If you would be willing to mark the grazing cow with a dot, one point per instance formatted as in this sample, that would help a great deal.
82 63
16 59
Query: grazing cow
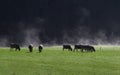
88 48
30 48
40 47
76 47
91 48
67 47
14 46
84 47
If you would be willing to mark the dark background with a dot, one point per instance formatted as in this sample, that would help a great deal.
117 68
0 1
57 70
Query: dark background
53 18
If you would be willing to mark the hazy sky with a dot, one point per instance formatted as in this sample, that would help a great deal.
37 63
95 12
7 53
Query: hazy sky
53 17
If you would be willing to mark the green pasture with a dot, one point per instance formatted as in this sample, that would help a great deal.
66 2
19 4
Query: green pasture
54 61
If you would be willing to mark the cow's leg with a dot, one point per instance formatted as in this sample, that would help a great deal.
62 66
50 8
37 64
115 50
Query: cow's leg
19 49
40 50
81 50
71 49
63 49
15 49
68 48
74 50
10 48
30 50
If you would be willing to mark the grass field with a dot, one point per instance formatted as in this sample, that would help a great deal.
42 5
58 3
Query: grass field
54 61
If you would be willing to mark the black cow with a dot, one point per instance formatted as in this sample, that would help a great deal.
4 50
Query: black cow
67 47
30 47
14 46
40 47
89 48
84 47
76 47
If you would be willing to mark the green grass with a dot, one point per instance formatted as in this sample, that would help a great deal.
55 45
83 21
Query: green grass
54 61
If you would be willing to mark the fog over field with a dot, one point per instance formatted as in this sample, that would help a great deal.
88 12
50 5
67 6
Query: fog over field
79 35
57 22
